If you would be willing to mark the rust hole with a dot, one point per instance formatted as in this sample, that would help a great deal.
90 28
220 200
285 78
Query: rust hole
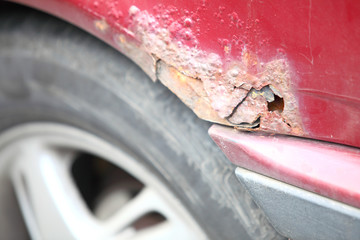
276 105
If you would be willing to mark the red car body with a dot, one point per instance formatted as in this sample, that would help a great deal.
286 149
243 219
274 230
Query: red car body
308 52
318 39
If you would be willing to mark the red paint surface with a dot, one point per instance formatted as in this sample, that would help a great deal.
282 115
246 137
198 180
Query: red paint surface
320 39
328 169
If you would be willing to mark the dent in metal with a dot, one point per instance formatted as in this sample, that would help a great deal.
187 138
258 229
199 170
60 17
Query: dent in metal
245 93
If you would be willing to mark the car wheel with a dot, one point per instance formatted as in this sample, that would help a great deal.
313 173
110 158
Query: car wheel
91 148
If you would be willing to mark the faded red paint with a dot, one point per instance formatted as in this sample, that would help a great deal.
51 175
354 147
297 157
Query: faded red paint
328 169
318 41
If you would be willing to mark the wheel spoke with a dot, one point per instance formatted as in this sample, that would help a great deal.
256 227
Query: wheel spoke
50 201
136 208
148 200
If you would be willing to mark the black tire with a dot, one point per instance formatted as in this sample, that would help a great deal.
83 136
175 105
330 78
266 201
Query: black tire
51 71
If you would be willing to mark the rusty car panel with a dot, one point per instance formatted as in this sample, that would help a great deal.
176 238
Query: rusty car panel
249 64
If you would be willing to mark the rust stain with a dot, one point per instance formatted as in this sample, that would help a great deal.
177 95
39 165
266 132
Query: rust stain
247 93
101 25
189 90
122 39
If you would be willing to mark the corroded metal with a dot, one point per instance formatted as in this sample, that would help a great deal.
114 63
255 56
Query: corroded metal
246 93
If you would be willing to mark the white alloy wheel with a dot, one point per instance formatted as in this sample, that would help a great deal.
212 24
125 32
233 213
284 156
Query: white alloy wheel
38 157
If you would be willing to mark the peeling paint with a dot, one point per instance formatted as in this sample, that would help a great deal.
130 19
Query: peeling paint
245 93
189 90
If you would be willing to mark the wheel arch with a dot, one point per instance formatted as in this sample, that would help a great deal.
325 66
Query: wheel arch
229 74
170 54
